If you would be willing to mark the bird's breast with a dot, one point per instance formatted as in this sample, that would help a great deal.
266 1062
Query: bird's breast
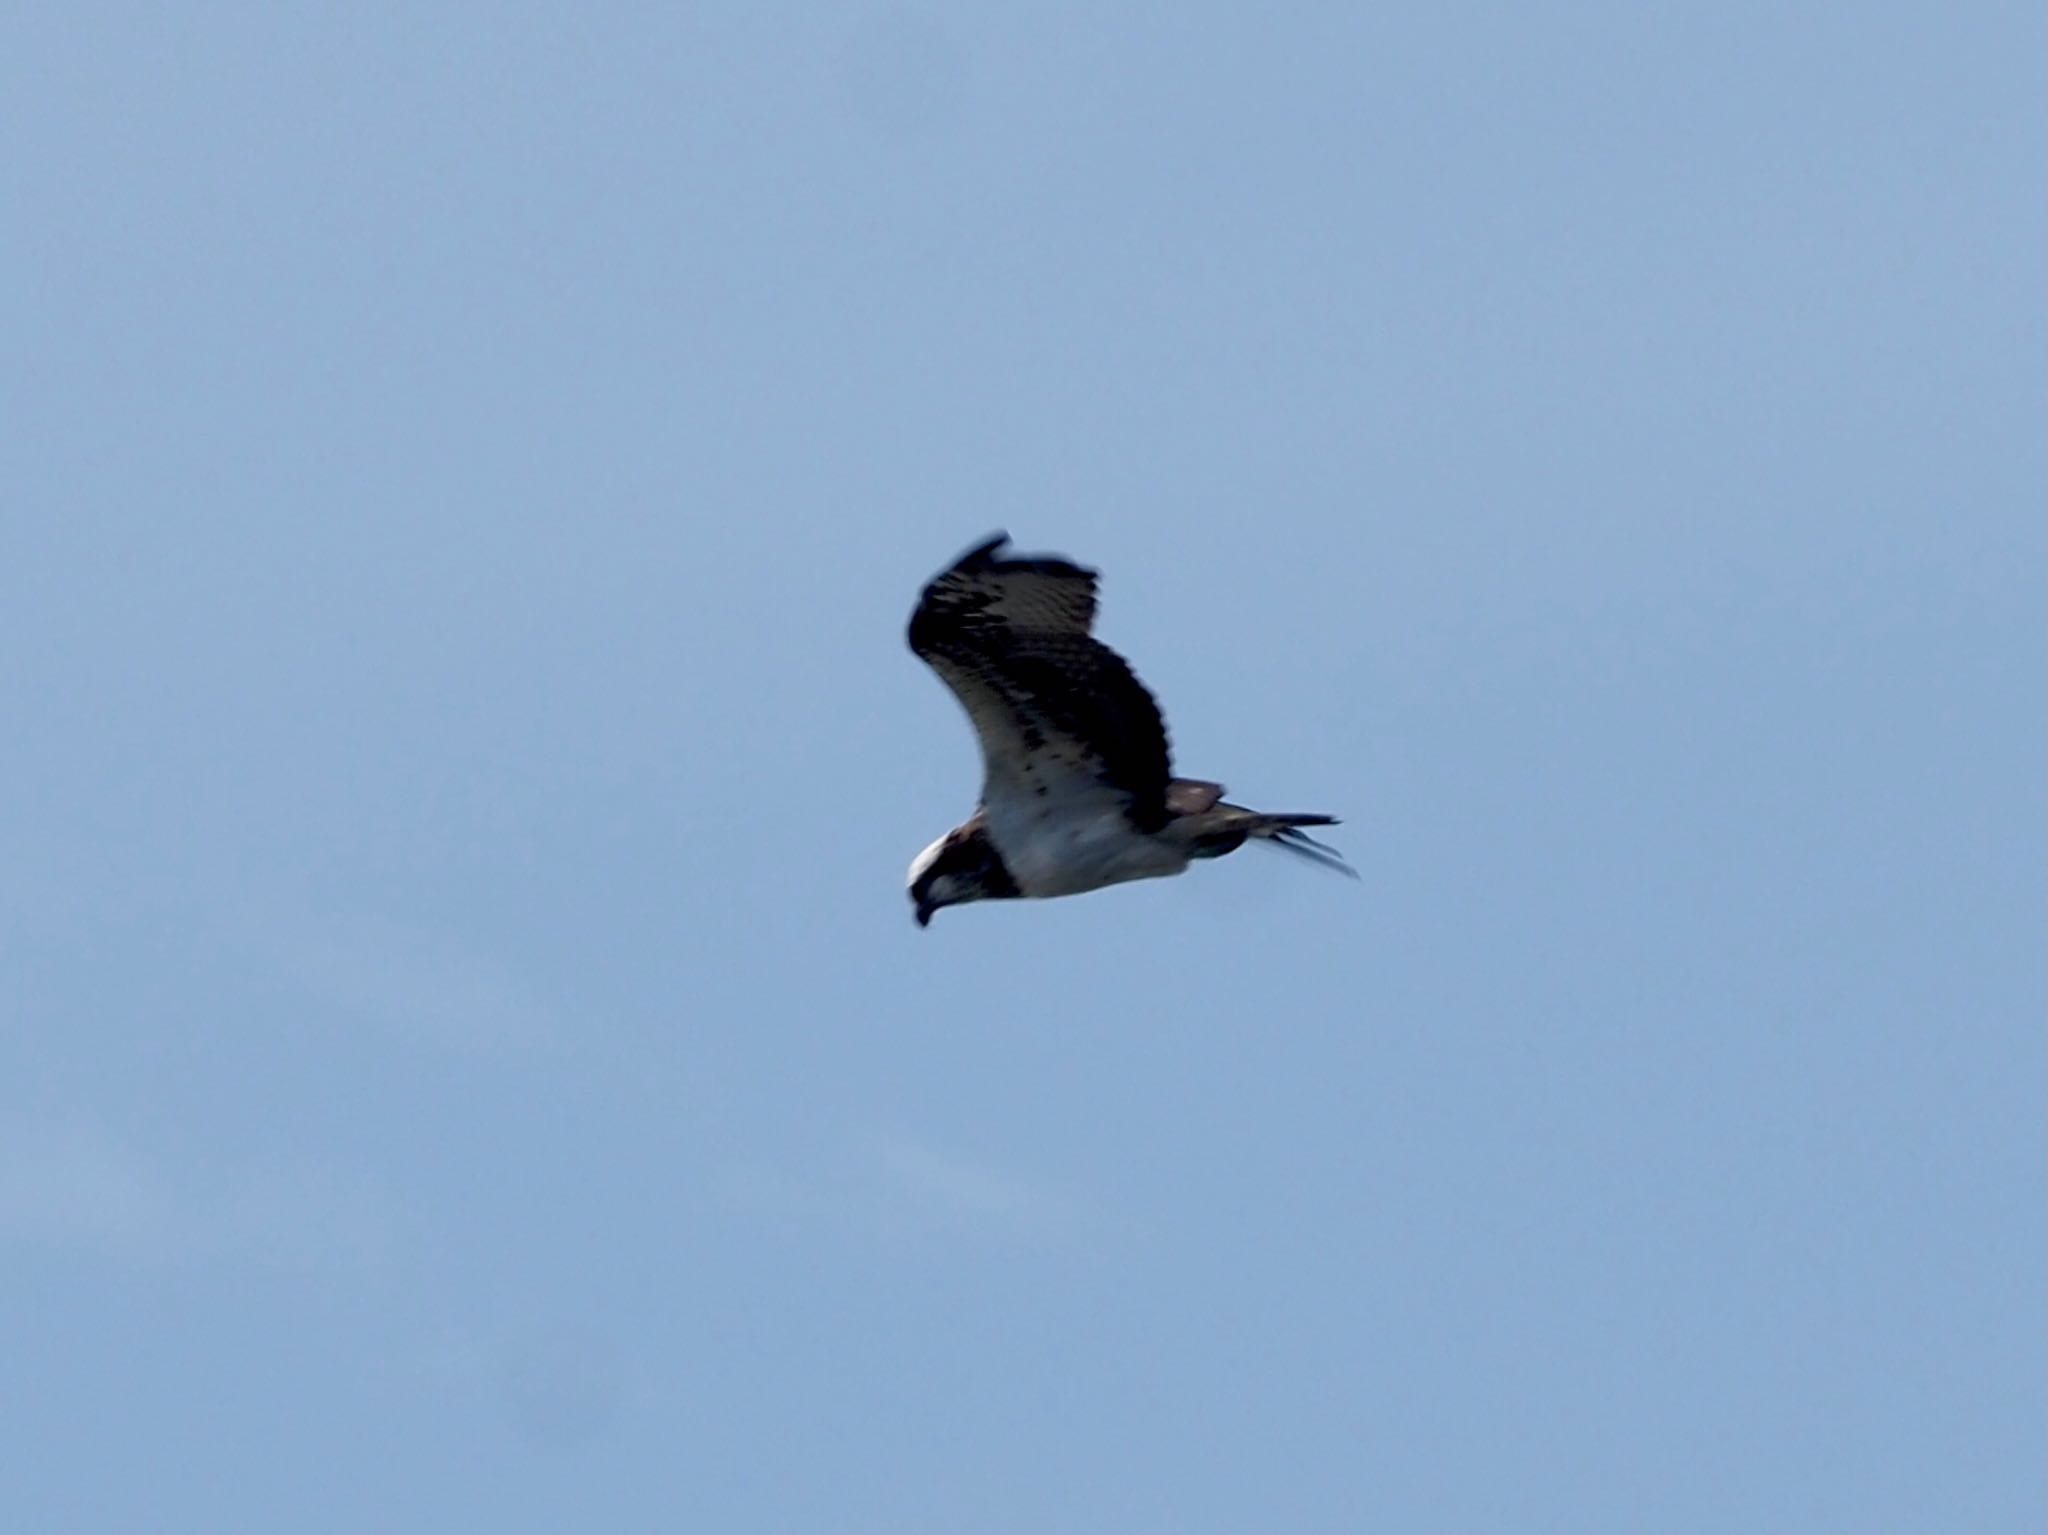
1064 851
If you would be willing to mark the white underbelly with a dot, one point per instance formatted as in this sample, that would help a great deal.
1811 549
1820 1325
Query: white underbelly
1064 854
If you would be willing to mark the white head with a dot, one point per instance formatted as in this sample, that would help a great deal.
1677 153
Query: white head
961 866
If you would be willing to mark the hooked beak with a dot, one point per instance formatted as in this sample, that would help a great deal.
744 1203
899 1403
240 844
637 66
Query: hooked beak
924 914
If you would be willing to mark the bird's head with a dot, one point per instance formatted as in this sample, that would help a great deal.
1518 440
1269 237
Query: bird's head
961 866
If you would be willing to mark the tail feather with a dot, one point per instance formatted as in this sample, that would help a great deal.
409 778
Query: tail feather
1215 832
1284 832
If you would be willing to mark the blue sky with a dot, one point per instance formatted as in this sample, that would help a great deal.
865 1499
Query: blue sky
467 1060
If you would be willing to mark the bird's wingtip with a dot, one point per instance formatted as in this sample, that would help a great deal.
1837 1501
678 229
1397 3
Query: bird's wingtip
985 549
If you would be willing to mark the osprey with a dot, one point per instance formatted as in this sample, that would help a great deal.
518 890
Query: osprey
1078 791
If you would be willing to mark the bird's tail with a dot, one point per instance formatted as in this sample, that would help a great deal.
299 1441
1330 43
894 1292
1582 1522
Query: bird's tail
1284 831
1227 827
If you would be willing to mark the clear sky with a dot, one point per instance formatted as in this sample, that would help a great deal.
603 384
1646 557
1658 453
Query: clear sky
467 1061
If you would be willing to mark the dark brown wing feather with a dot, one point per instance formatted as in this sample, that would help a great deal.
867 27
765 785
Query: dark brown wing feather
1048 701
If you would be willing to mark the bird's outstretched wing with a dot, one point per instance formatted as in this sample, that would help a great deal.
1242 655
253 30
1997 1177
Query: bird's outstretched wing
1057 711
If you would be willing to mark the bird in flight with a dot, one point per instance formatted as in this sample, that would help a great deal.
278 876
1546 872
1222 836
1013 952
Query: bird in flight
1078 790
